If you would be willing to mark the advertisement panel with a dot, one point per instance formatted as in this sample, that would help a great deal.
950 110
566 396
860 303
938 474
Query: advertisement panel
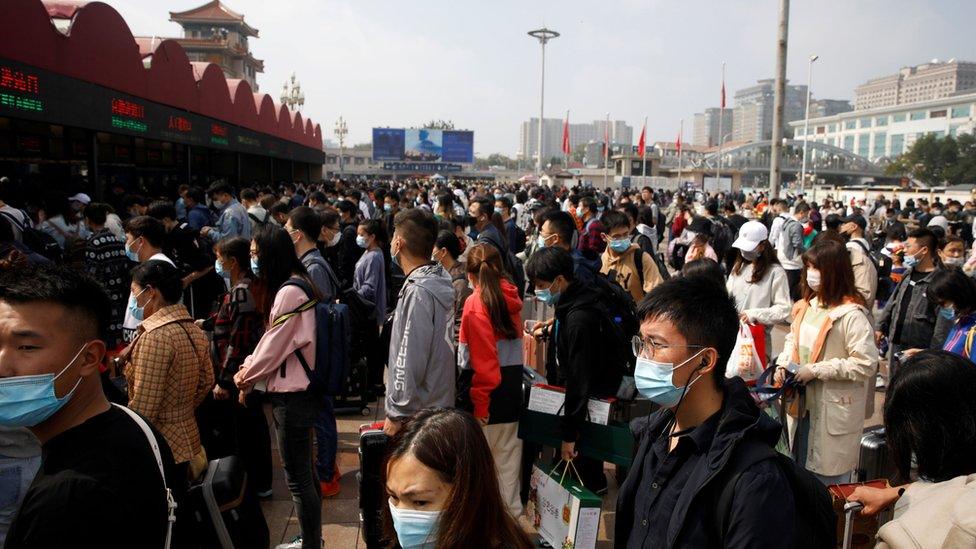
422 145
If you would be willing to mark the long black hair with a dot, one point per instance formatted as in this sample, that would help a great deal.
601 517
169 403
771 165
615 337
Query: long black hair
952 285
930 413
277 261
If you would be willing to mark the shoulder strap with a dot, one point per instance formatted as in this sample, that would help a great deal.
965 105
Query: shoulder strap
154 445
748 454
969 342
639 265
20 223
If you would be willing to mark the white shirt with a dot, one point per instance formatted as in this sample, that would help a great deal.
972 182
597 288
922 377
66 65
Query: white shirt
129 323
774 230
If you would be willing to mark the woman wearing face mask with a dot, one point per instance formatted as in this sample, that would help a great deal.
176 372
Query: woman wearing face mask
953 251
832 350
274 367
369 281
167 365
956 295
227 428
757 282
490 360
443 489
447 251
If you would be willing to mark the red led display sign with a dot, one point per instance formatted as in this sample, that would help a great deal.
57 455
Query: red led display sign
18 81
180 124
128 108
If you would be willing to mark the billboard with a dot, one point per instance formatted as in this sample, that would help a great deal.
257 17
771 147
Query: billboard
422 145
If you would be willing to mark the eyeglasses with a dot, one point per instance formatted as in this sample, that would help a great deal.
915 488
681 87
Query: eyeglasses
638 346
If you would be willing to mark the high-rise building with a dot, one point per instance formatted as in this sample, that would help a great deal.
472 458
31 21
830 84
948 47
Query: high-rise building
828 107
552 129
752 119
706 127
924 82
214 33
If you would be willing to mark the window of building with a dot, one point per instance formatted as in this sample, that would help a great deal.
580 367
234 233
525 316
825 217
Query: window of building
938 135
358 160
881 121
897 144
938 114
960 112
898 117
865 122
880 139
832 128
850 124
954 130
863 144
849 143
917 115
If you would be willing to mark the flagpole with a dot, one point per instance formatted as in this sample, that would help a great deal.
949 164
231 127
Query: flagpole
606 150
721 135
568 147
644 155
680 131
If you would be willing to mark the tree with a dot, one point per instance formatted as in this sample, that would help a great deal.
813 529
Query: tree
936 160
579 152
439 125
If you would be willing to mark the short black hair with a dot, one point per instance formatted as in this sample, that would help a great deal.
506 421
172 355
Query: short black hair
220 187
486 205
347 207
645 215
630 210
561 223
589 203
81 294
711 208
833 222
418 229
306 220
319 197
134 200
162 210
614 219
160 275
148 228
97 213
280 208
447 240
249 194
952 285
926 238
548 263
505 201
197 195
929 414
701 310
329 217
705 268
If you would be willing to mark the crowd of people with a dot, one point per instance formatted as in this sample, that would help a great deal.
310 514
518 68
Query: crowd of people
199 308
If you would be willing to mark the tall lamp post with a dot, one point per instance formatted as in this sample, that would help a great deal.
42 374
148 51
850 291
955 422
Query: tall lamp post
340 132
806 122
543 35
292 95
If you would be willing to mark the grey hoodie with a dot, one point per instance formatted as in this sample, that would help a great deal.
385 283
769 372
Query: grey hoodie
422 343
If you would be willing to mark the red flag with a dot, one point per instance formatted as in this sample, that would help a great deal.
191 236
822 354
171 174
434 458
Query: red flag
640 142
678 143
566 150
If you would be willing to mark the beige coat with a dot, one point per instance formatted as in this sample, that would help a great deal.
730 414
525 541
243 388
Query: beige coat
937 516
843 359
625 267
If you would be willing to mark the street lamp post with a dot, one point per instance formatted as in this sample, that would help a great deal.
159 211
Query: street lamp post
543 35
292 95
340 131
806 122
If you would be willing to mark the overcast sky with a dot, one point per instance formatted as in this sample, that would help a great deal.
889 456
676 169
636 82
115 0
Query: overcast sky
399 64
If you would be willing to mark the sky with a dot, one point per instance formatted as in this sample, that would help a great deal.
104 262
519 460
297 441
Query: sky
390 63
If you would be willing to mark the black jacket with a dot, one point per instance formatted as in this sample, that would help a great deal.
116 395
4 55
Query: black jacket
762 511
349 253
582 333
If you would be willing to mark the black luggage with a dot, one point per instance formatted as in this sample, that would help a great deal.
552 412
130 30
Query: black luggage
372 494
875 461
225 514
354 397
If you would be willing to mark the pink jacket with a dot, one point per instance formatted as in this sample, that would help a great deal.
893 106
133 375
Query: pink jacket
278 345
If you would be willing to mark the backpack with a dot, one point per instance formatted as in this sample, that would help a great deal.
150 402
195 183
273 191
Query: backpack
36 239
621 310
519 239
361 312
332 342
257 221
816 521
882 265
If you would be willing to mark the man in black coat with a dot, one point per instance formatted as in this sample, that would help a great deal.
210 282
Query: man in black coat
687 449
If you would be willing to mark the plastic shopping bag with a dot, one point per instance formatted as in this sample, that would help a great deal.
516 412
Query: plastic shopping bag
746 360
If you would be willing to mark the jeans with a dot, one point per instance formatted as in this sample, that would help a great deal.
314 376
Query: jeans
793 279
327 437
294 416
16 475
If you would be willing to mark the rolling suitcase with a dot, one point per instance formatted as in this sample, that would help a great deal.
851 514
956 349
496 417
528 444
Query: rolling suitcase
225 514
875 460
354 398
372 494
851 508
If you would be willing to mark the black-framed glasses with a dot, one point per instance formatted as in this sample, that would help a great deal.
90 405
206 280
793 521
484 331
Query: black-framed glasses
638 346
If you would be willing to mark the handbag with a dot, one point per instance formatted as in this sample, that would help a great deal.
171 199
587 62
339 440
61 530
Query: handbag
746 360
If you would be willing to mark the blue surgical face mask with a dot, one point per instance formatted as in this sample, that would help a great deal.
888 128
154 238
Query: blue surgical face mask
547 296
387 207
135 311
219 204
910 260
361 241
415 528
948 313
540 241
620 245
654 380
133 255
219 269
254 266
27 401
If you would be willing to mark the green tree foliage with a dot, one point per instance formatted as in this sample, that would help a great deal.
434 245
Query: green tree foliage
939 160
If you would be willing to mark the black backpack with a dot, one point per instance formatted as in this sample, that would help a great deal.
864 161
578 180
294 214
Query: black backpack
882 264
519 239
35 239
621 310
816 521
257 221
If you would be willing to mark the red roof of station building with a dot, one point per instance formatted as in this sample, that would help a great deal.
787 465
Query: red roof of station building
99 48
214 12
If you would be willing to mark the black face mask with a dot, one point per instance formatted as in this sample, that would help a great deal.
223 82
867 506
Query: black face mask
471 221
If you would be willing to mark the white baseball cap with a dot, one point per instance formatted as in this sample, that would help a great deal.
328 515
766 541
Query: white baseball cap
939 221
80 197
750 235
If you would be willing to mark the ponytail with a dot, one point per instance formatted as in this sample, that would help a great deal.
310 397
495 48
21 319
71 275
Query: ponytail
485 263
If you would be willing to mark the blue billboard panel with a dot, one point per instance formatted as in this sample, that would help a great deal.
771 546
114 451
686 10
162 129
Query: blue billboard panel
422 145
458 147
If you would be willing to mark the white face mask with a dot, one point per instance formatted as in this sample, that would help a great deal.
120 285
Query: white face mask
813 279
334 240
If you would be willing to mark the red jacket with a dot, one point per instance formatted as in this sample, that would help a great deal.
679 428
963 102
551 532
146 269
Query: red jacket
491 366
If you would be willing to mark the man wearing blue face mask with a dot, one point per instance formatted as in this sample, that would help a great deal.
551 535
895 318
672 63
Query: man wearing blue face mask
625 262
706 436
143 241
99 484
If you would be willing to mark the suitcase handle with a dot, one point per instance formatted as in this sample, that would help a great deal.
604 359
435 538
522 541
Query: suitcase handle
850 508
